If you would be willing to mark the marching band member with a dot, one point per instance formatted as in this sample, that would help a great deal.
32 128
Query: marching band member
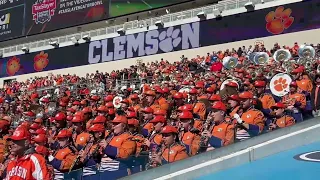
64 158
154 140
80 136
147 117
26 164
188 134
281 120
219 133
93 156
119 146
153 103
59 123
171 150
251 121
233 104
295 102
200 107
266 99
303 84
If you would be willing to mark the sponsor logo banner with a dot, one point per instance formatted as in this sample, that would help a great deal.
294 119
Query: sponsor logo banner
11 22
48 15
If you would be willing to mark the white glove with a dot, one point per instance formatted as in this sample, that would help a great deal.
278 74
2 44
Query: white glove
237 117
50 158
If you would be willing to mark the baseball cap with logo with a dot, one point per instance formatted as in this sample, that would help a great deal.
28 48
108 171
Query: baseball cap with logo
21 133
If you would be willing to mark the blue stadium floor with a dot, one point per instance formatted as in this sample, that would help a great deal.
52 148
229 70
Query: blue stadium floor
280 166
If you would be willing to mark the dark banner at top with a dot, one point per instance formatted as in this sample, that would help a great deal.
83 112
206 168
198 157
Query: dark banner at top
284 19
48 15
10 3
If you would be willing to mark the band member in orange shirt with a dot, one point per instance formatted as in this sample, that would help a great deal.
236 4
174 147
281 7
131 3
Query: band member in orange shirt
118 146
64 158
281 120
295 102
220 132
171 150
188 134
250 120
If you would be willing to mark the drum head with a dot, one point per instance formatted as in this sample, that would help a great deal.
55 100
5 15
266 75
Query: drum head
279 84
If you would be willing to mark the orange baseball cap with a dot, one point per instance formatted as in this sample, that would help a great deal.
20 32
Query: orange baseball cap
219 105
21 133
120 119
278 105
158 119
97 128
133 122
64 133
169 129
246 95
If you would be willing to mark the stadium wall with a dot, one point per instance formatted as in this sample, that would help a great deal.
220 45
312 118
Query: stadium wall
193 38
243 152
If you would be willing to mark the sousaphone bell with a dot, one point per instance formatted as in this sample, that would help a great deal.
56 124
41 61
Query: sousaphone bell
230 62
261 58
282 55
306 51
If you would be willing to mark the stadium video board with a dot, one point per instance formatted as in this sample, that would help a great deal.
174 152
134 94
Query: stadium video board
28 17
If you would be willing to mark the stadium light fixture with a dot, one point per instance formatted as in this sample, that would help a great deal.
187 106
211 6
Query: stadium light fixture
25 49
75 40
159 24
249 6
217 13
54 44
87 38
121 31
202 15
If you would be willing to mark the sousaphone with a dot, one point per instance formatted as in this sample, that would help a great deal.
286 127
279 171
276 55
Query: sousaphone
230 62
261 58
306 51
282 55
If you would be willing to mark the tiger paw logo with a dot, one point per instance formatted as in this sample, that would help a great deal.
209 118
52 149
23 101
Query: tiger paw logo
13 66
40 61
280 84
279 20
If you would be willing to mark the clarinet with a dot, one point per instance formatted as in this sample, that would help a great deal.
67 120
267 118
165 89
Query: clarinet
208 125
83 152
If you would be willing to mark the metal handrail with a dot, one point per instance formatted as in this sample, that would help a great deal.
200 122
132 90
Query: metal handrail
222 5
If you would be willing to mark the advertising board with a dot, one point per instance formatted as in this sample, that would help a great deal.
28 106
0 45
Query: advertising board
11 19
